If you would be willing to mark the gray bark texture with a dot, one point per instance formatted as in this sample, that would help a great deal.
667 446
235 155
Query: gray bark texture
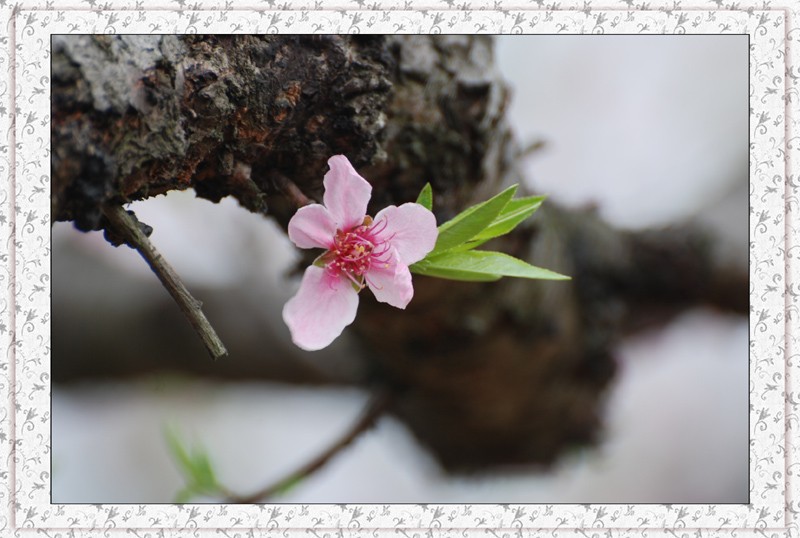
486 373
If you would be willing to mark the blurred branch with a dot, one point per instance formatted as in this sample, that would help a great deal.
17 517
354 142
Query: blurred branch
378 404
533 147
126 225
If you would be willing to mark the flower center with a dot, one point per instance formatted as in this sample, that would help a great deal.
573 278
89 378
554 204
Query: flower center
352 252
355 251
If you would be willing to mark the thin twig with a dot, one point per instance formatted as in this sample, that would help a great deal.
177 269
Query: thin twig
128 228
377 405
533 147
290 189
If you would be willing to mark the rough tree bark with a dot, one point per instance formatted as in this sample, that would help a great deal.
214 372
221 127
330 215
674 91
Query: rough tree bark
498 373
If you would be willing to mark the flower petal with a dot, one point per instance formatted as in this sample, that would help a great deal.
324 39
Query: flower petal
390 282
320 310
312 227
410 228
346 193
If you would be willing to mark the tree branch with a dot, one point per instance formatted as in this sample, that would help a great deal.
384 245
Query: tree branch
128 228
377 405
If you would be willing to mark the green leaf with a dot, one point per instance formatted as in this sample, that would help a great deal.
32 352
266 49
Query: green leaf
179 453
480 266
195 466
203 472
515 212
184 495
512 215
425 198
427 268
471 222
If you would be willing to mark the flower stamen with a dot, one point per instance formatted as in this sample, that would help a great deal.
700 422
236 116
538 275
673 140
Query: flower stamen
354 252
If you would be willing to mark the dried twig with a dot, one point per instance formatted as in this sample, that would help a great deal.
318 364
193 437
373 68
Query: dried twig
128 229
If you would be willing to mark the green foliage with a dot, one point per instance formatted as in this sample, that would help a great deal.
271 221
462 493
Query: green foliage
453 256
481 266
425 198
471 222
512 214
195 466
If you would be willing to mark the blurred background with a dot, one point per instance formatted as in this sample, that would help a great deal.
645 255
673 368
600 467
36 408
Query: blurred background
651 130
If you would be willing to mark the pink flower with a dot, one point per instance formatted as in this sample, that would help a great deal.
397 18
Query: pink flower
360 252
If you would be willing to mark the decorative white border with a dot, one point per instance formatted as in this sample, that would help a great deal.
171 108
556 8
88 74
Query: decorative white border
25 229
